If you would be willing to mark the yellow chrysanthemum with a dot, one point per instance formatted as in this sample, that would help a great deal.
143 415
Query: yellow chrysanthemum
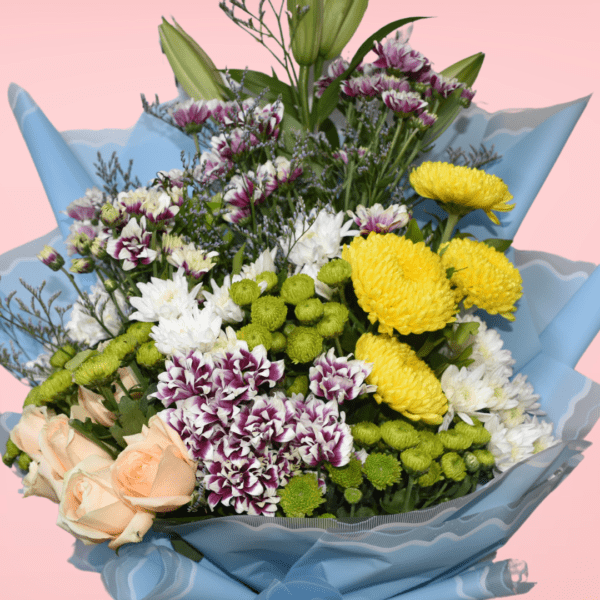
484 276
403 380
400 284
462 188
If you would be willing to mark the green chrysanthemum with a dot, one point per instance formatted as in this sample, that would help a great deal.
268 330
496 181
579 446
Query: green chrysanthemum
430 443
269 278
269 311
96 370
298 288
140 331
244 292
148 356
403 380
278 341
382 470
432 476
348 476
56 386
309 311
299 386
335 272
62 356
366 433
399 284
399 435
462 189
478 435
483 276
301 496
121 346
453 466
304 344
486 458
255 335
352 495
414 461
454 440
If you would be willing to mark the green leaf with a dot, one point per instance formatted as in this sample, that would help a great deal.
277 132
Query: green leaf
291 129
185 548
450 270
87 429
330 98
193 69
394 504
413 232
465 70
430 344
331 133
238 260
256 82
498 244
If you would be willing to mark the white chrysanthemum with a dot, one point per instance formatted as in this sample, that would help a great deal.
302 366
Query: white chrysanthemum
504 395
193 330
466 391
488 350
511 445
85 329
228 342
545 438
265 262
318 243
168 299
220 301
523 391
195 261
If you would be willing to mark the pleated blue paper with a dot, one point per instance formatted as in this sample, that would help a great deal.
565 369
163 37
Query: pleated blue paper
443 553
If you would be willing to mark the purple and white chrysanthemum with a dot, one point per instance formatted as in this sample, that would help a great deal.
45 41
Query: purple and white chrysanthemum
186 376
133 245
87 207
268 119
266 178
158 206
395 54
246 371
231 145
194 261
403 103
321 433
211 167
376 219
192 113
338 378
284 171
242 191
365 86
80 237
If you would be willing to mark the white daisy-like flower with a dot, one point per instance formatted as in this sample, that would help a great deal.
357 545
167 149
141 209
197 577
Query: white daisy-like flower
466 391
161 298
488 350
545 438
527 399
193 330
265 262
318 243
228 342
85 329
220 301
510 445
504 395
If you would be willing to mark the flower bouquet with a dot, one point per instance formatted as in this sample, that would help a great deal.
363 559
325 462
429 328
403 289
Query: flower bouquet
246 351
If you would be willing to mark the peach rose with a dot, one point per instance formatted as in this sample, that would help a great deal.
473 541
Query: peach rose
155 471
91 406
42 481
62 447
92 511
26 432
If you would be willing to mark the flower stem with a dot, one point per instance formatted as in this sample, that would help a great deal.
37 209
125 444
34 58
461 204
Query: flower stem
303 92
449 228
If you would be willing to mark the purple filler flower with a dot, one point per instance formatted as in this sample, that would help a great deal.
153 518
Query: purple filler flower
339 379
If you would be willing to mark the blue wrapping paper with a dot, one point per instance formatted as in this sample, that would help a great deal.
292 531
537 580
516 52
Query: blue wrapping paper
441 553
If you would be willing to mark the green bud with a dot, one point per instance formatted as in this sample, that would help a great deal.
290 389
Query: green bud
12 450
51 258
98 250
269 278
269 311
454 440
399 434
306 29
111 216
298 288
335 316
140 331
299 386
471 462
97 370
244 292
301 496
340 21
35 397
432 476
304 344
148 356
255 335
335 273
122 346
23 461
486 459
382 470
415 462
327 516
430 443
81 265
352 495
288 328
309 311
278 342
348 476
8 460
110 285
453 466
56 386
366 434
79 358
62 356
192 67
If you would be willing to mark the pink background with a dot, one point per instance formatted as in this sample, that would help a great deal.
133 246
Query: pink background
86 64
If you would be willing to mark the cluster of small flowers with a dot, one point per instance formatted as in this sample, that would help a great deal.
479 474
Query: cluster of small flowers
250 441
507 407
402 78
244 127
